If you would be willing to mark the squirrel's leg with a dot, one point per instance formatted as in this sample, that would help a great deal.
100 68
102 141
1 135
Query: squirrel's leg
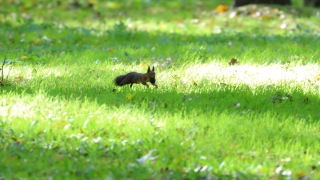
145 83
155 85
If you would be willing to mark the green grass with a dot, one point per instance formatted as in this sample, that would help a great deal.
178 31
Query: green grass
61 117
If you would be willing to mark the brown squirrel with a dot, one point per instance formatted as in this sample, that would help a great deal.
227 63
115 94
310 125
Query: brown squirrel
137 78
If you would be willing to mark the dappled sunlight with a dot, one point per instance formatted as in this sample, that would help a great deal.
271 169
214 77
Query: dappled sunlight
28 72
28 107
161 127
40 113
238 92
15 107
253 75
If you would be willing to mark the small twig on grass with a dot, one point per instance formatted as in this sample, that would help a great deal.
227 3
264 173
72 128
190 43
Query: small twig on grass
2 67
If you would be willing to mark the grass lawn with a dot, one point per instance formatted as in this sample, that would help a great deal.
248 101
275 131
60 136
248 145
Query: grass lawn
238 94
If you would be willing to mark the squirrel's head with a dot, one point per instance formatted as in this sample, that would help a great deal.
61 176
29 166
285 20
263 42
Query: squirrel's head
152 75
151 72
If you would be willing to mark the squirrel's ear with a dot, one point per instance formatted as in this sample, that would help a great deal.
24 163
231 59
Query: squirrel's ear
148 68
152 68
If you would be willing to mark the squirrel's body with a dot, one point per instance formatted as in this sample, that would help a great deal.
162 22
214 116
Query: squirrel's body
137 78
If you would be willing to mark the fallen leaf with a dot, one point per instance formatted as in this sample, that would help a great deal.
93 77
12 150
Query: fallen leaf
19 79
20 141
146 157
301 175
233 61
181 170
129 96
24 57
110 49
283 26
222 8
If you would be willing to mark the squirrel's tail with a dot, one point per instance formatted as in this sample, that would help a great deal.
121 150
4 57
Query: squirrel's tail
119 79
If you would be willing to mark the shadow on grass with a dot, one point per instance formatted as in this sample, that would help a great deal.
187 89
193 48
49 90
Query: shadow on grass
158 101
98 162
121 160
220 98
177 45
46 42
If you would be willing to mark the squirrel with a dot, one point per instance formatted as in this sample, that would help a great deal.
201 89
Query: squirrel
137 78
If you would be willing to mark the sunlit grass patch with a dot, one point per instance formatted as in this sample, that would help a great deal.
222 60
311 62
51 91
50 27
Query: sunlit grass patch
181 141
191 127
254 74
238 93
